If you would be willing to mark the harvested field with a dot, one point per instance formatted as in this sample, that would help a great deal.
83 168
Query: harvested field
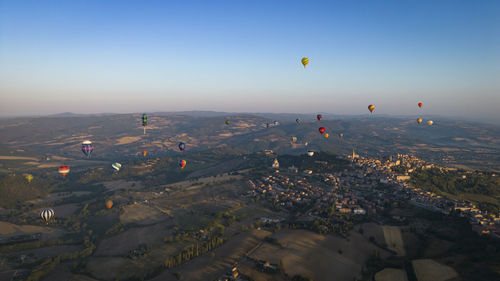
391 274
8 230
319 256
121 244
394 239
18 158
142 214
122 184
430 270
127 140
106 268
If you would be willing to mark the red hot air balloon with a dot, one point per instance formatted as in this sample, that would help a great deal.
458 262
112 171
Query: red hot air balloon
319 116
63 170
420 104
322 130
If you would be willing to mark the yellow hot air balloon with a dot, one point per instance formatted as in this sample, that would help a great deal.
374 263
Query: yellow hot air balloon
327 135
430 122
29 177
305 61
419 120
371 107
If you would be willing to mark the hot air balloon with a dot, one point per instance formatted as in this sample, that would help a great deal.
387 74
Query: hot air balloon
430 122
371 107
310 153
47 215
305 61
294 139
319 116
276 123
144 121
327 135
420 104
109 204
29 177
116 166
322 130
419 120
341 135
63 170
297 120
182 146
306 143
228 122
87 148
182 164
144 153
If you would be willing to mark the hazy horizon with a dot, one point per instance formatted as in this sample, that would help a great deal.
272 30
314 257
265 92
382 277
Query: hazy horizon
122 57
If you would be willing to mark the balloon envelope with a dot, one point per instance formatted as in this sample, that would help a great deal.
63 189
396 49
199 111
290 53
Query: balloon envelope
294 139
305 61
341 135
419 120
109 204
47 214
144 153
297 120
420 104
87 147
319 116
322 130
144 119
182 146
63 170
228 122
182 164
310 153
430 122
116 166
327 135
371 108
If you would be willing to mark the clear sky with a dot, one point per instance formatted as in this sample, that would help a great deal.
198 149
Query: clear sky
244 56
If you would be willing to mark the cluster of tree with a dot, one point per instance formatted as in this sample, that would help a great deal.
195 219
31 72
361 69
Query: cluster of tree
459 183
50 263
193 251
16 189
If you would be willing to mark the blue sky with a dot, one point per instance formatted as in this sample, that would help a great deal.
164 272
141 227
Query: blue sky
244 56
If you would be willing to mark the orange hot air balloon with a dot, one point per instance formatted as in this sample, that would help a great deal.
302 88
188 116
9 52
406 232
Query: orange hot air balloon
109 204
419 120
371 107
420 104
63 170
144 153
327 135
322 130
182 164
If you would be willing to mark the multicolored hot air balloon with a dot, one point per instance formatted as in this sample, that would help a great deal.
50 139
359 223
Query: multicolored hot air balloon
420 104
322 130
371 108
304 61
310 153
144 153
87 148
276 123
419 120
109 204
47 215
430 122
29 177
117 166
63 170
327 135
297 120
182 164
144 121
319 116
182 146
294 139
228 122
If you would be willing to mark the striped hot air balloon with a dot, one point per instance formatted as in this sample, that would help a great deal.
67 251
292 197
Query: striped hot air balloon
116 166
87 148
182 164
304 61
47 214
63 170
